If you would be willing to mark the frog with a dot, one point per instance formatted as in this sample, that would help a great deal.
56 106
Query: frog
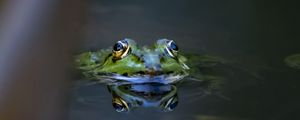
128 97
148 76
160 63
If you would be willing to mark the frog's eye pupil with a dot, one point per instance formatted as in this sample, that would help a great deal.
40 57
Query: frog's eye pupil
118 47
173 46
120 50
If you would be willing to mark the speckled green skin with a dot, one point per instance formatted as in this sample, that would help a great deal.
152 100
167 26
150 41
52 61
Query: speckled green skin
93 64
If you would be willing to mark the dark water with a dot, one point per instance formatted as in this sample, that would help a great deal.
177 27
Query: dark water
256 34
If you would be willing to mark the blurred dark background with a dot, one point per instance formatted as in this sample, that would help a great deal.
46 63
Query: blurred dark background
231 27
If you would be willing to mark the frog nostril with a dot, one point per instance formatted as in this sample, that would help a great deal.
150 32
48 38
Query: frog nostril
125 74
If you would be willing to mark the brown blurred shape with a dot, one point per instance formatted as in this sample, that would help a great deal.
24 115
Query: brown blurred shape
36 41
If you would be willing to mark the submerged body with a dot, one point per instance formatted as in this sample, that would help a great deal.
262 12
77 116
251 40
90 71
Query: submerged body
126 61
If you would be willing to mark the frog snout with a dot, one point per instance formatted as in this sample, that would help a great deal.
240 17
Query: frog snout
152 63
154 69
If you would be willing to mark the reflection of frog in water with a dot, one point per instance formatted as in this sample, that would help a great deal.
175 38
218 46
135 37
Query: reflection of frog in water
161 63
130 96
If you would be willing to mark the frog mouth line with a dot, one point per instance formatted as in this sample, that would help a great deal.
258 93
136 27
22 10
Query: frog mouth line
140 73
151 73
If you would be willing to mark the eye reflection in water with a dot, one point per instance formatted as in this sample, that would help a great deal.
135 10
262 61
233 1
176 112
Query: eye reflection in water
128 97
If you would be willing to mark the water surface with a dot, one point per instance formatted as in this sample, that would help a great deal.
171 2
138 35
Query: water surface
256 35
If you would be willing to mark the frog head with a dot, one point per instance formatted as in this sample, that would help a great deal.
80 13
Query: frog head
126 60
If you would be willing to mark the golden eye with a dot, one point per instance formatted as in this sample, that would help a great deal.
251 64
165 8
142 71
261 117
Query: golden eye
172 48
120 49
